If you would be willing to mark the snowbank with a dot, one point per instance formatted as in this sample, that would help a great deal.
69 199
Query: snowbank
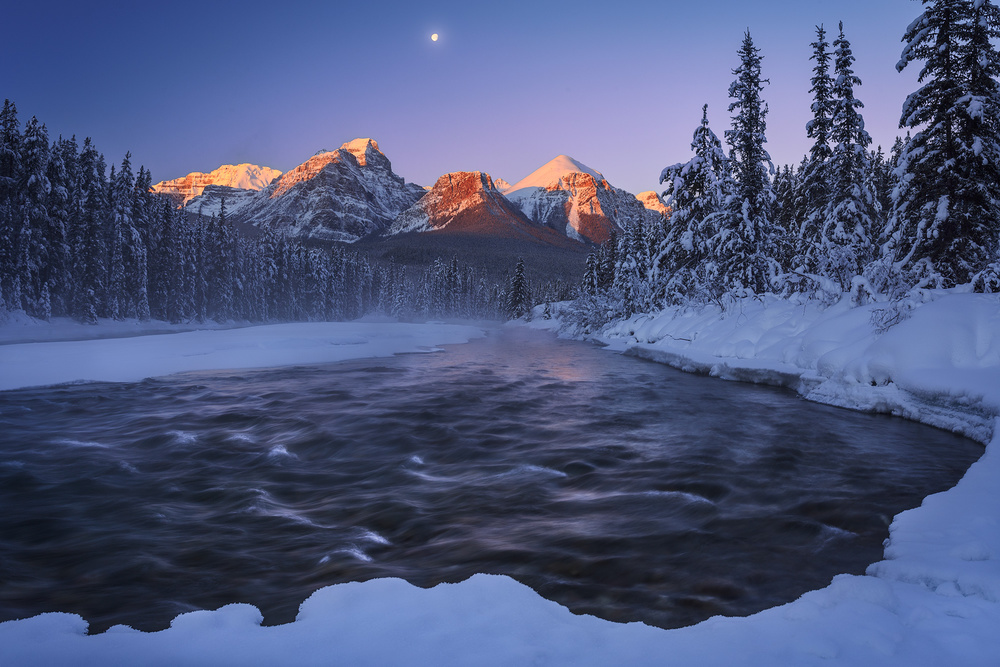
938 363
934 600
138 357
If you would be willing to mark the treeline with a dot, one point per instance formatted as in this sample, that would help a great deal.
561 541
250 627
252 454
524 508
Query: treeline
848 219
80 241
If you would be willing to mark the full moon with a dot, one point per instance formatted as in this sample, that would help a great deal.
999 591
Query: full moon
434 37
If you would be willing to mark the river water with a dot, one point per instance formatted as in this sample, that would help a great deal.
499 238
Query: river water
614 486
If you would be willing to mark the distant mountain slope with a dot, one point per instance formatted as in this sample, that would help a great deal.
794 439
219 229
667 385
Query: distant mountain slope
577 202
652 201
468 202
241 176
339 195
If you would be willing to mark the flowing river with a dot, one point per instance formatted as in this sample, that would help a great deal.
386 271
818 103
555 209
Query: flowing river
614 486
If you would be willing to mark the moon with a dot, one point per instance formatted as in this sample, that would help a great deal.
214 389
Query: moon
434 37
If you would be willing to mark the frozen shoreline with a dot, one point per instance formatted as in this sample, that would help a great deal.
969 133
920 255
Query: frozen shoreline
934 599
940 366
134 358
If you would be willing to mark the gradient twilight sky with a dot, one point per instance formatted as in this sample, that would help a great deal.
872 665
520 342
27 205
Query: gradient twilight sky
618 85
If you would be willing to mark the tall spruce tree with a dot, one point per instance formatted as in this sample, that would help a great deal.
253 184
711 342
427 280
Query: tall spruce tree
55 273
944 227
10 223
745 241
589 283
518 300
814 190
696 192
10 151
90 251
846 241
631 282
33 250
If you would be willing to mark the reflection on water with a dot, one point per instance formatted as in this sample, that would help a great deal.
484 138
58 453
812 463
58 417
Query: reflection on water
614 486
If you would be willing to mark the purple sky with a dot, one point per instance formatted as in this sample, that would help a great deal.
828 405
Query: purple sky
619 86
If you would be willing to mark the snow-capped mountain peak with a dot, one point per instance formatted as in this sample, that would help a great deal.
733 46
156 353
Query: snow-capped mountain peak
501 184
652 201
363 150
242 176
338 195
552 171
570 197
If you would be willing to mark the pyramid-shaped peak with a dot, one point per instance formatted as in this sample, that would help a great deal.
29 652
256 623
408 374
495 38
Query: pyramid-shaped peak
362 149
552 171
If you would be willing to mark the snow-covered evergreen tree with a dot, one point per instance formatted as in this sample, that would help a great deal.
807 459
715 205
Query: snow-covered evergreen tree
745 242
846 240
814 190
10 223
10 151
220 250
631 284
881 180
89 250
786 213
518 300
696 191
33 250
944 224
589 284
607 259
56 272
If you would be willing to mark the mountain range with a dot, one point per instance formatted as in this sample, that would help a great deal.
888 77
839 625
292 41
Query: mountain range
352 193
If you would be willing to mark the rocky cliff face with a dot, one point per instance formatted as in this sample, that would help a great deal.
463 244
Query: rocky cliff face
239 176
652 201
468 202
339 195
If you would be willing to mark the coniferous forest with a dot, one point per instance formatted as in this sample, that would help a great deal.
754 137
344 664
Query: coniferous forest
848 218
80 240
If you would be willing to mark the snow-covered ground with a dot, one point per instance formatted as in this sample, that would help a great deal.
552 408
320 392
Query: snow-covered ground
934 600
156 354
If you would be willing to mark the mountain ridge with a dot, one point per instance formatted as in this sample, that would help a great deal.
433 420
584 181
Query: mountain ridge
352 193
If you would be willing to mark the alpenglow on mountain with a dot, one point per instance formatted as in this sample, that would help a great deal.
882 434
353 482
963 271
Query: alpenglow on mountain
469 203
575 200
352 193
339 195
239 176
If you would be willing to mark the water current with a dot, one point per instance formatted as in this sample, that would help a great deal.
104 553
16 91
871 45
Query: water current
614 486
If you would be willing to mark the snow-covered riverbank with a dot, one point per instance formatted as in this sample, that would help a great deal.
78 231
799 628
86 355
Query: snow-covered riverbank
934 600
129 359
938 363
